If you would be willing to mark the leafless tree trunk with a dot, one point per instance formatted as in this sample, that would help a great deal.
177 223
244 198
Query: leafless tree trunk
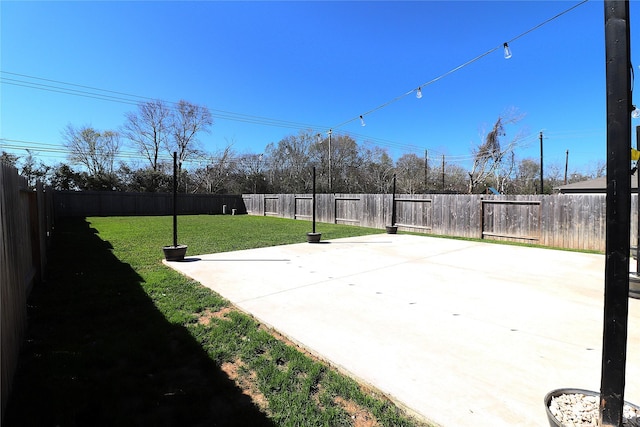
188 121
149 129
96 151
490 156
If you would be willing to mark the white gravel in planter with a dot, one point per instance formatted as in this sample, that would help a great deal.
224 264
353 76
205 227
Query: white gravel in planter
579 410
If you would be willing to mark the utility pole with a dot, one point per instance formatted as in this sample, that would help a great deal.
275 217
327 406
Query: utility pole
616 272
330 175
443 173
566 168
541 169
426 170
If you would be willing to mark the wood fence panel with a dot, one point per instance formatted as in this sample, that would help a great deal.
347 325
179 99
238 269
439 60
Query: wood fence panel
14 269
414 213
25 229
516 219
348 209
567 221
303 207
563 220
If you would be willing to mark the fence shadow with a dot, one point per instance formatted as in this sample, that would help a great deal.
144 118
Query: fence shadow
99 353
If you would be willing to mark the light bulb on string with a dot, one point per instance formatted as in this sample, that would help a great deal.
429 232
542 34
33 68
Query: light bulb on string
507 51
635 113
419 93
362 121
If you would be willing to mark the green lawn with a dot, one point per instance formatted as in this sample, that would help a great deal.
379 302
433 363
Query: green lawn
117 338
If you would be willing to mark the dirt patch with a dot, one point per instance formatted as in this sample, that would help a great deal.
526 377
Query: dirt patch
361 417
277 335
205 317
246 382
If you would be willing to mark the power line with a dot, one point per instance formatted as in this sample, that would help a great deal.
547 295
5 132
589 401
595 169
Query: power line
216 113
131 99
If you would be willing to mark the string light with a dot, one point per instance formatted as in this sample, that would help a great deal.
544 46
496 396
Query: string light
507 55
362 121
507 51
419 93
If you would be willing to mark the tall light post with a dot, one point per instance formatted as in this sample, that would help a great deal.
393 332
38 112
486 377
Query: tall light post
616 292
541 167
330 174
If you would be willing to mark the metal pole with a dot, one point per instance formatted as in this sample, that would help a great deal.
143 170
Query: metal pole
175 199
330 175
616 286
426 170
541 169
443 173
313 202
393 202
638 203
566 168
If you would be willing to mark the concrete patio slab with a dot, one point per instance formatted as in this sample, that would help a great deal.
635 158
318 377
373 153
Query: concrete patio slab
459 333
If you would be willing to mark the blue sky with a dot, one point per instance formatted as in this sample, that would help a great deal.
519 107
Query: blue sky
316 65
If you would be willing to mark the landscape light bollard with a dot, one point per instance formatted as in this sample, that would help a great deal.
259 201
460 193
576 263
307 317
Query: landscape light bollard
618 226
175 252
313 237
175 199
616 292
638 205
393 228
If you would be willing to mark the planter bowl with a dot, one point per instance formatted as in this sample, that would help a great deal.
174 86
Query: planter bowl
392 229
553 421
174 253
313 237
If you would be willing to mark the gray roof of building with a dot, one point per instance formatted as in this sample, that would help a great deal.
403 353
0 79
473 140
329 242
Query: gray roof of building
598 185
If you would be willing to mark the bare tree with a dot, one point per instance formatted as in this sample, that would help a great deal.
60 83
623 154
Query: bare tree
410 173
92 149
345 164
220 169
149 129
527 177
188 121
503 174
375 174
491 158
251 167
290 162
9 159
33 170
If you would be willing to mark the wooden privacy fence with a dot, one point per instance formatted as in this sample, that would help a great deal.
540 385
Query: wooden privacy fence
562 220
115 203
25 233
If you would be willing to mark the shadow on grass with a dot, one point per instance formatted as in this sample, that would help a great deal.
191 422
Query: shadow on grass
99 353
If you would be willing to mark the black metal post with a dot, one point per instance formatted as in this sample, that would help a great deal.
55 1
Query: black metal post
330 173
541 167
638 203
313 202
393 202
426 170
566 167
616 286
175 199
443 173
